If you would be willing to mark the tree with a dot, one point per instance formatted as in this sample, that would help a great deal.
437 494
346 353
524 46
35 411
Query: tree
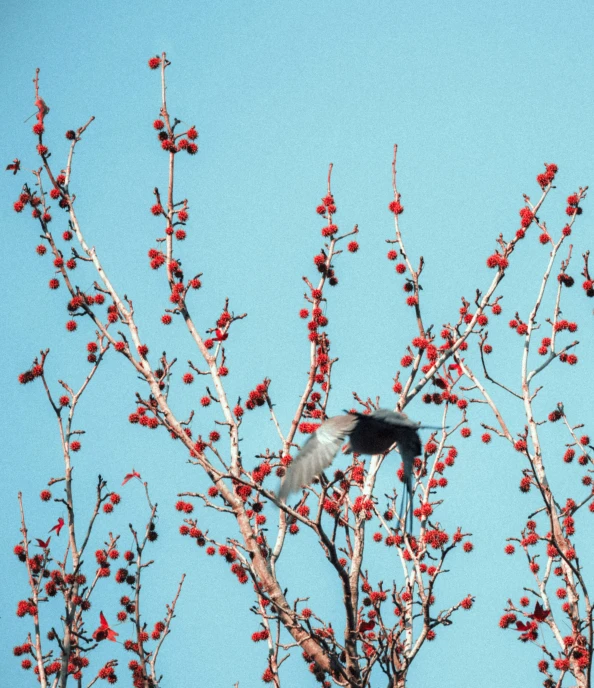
383 625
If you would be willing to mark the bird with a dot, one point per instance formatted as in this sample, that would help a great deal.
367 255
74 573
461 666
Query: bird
372 433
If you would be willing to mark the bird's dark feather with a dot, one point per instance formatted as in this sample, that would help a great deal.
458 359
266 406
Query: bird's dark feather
373 433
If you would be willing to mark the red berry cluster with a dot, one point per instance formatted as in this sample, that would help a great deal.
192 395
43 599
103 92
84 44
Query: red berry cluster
260 635
186 507
588 287
231 557
546 179
30 375
395 207
257 397
157 258
573 207
158 629
307 428
107 673
519 326
437 539
173 143
114 499
565 279
35 201
561 325
193 531
571 359
141 417
261 471
555 415
327 207
526 217
496 260
25 607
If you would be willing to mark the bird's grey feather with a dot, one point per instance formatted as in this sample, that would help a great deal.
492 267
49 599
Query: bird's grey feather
393 418
373 433
317 453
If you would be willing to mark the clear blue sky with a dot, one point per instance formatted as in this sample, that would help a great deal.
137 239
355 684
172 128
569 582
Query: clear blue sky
477 96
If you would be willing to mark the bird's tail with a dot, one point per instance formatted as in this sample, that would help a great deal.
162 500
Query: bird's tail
407 498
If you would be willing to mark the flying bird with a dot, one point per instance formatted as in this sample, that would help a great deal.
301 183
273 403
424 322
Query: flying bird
104 631
58 527
42 544
372 433
15 166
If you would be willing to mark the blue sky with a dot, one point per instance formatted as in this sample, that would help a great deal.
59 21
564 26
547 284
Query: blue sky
476 96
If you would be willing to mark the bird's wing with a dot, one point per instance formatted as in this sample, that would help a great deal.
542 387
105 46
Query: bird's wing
394 418
317 453
376 432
